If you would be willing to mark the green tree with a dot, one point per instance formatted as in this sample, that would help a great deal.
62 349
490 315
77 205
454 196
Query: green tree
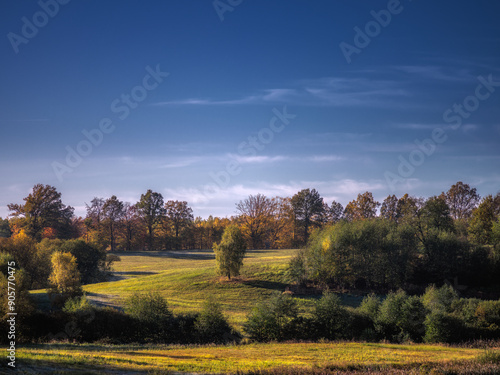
5 228
436 214
91 260
43 208
483 217
150 208
229 253
308 209
408 208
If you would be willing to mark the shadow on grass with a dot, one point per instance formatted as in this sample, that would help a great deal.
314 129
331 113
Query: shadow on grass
122 275
175 254
40 367
264 284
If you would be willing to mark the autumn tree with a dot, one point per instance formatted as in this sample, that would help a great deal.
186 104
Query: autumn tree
335 212
65 277
94 219
229 253
179 216
408 208
131 228
150 208
389 208
113 211
280 233
255 215
461 199
308 209
43 208
364 207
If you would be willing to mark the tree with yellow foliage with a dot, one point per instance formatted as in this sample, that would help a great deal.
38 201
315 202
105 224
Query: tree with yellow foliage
65 277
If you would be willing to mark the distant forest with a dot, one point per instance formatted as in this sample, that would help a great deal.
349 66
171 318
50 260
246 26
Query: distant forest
266 222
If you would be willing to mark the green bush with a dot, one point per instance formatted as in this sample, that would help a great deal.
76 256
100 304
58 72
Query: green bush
152 313
441 327
211 326
297 269
330 318
370 306
273 320
439 299
77 305
401 318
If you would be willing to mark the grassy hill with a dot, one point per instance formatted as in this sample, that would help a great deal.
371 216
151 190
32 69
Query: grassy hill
186 279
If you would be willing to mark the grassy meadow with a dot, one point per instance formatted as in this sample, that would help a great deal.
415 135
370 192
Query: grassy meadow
186 279
241 358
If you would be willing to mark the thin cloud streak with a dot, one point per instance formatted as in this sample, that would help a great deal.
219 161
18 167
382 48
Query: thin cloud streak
328 91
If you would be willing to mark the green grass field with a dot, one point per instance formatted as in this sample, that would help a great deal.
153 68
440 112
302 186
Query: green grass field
186 279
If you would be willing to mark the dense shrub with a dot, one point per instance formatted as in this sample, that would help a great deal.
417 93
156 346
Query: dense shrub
400 317
151 311
273 320
441 327
211 325
439 299
331 319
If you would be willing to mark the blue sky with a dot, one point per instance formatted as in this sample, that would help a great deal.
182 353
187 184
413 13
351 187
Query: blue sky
211 105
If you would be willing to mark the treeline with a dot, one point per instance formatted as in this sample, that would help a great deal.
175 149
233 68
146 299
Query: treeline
437 316
279 222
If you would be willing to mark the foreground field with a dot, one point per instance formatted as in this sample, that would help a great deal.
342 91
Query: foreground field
242 358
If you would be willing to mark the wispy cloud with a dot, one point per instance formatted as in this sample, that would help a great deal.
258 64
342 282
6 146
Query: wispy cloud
328 91
257 159
437 73
465 128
